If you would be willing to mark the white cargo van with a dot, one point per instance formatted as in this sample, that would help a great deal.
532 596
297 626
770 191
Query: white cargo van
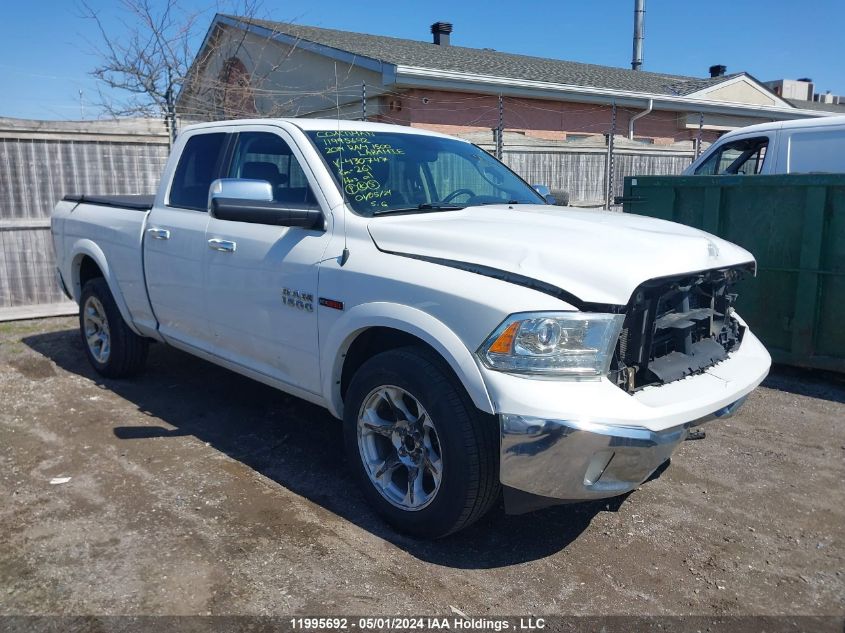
802 146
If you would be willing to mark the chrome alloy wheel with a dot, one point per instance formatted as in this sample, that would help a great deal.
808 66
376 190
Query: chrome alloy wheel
399 448
96 327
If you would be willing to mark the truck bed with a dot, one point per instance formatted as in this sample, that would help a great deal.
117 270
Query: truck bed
133 202
115 226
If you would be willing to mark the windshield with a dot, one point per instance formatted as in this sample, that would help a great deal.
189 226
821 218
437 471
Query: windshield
386 172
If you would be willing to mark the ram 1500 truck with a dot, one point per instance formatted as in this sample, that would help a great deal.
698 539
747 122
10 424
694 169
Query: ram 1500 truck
473 337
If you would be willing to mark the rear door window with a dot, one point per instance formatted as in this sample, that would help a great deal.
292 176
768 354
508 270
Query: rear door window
198 166
743 156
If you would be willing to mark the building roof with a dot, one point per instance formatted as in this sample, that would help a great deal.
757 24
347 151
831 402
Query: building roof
838 108
397 51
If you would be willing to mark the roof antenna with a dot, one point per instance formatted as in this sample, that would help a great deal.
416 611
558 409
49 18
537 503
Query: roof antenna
345 256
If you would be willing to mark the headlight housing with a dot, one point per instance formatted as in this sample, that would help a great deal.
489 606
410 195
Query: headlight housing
553 343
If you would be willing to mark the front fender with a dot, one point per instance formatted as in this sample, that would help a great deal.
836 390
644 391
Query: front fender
411 321
80 249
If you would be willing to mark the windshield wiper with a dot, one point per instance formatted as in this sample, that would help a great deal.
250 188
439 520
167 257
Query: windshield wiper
425 206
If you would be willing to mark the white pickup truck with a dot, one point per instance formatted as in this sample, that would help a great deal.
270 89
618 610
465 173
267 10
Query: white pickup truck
473 337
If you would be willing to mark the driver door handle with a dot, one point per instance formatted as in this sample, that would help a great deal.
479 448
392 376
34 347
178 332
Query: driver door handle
224 246
159 234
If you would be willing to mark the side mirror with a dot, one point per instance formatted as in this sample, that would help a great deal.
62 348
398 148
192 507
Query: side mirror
544 191
244 200
240 189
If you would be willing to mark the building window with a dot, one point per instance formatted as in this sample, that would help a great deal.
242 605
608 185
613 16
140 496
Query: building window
237 99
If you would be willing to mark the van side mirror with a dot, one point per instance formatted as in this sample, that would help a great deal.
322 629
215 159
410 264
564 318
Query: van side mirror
544 191
245 200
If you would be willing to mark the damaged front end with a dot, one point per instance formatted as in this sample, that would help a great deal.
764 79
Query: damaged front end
678 326
606 444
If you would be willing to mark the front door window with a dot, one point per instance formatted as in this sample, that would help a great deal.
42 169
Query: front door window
744 156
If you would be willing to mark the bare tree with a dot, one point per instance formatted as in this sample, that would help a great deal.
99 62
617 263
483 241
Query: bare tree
150 62
147 63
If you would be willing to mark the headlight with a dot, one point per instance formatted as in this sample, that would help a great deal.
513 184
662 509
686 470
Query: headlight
553 343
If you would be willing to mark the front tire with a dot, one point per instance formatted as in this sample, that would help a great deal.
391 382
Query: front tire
113 349
426 459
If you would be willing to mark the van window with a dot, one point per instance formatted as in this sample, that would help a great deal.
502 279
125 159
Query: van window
743 156
819 151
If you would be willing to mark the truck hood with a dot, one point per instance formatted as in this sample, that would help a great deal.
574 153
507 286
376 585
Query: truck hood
597 256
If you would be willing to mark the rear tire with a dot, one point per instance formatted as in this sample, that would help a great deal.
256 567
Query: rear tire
433 474
113 349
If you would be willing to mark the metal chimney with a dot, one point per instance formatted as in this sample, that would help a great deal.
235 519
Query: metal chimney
441 31
639 22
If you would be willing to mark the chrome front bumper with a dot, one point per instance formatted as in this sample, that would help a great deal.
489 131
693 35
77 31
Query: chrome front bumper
568 460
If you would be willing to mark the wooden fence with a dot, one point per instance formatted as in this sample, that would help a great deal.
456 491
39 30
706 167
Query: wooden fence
40 162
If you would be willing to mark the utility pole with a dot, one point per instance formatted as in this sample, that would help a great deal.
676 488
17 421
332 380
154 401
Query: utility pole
500 130
698 137
608 168
81 106
170 110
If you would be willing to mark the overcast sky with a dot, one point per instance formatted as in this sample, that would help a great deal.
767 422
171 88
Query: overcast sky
45 51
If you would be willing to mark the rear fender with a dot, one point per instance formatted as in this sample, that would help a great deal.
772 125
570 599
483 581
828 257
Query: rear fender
80 250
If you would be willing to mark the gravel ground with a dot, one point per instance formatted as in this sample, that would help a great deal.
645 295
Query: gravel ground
193 491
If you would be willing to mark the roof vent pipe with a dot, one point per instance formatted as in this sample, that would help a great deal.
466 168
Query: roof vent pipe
639 115
639 22
441 31
717 71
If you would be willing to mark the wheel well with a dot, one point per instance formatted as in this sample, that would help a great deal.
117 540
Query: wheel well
376 340
88 270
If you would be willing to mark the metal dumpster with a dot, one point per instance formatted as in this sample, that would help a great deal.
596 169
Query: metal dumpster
795 227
